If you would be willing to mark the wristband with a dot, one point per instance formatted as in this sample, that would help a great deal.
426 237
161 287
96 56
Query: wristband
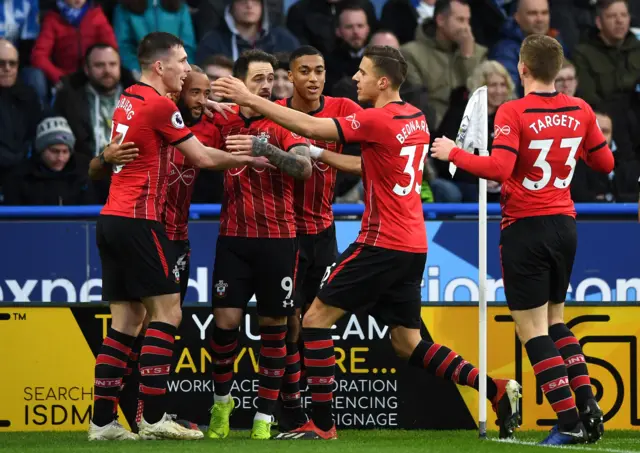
315 151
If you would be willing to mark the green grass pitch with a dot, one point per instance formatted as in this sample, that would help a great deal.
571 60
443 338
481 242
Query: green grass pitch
350 441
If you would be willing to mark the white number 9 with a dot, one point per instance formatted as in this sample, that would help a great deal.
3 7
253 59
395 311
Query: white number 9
287 285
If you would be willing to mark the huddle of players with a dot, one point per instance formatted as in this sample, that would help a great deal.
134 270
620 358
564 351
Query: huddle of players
277 227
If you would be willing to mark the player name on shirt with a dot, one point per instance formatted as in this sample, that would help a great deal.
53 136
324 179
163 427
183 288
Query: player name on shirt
556 120
126 105
411 127
313 198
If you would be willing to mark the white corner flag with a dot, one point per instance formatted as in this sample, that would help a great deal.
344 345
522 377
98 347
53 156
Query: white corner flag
473 135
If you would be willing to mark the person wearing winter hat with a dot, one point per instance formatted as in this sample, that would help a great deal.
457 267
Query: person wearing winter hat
53 175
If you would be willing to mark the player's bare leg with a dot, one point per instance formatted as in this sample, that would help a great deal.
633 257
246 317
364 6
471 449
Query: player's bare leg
504 394
224 345
571 351
272 362
319 359
156 358
111 364
551 374
290 414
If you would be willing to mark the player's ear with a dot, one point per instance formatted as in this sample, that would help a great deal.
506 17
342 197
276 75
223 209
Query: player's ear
290 74
383 83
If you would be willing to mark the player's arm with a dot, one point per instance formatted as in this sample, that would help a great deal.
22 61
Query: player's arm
296 162
211 158
115 153
342 162
298 122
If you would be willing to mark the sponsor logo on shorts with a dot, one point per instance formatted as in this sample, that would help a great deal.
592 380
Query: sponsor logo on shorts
221 288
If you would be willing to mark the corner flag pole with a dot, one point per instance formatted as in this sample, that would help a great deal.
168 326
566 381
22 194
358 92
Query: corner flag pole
473 134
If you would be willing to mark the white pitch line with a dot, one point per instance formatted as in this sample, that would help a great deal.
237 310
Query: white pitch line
565 447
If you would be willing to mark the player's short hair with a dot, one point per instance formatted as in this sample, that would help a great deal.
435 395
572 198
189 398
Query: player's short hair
196 69
543 56
389 63
241 66
603 5
218 60
304 51
97 46
283 60
156 45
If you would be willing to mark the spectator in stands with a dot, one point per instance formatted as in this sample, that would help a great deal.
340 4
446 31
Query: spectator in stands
566 82
500 89
444 53
20 24
573 19
352 32
531 17
384 38
402 17
246 26
19 112
608 66
67 32
54 175
314 22
282 86
134 19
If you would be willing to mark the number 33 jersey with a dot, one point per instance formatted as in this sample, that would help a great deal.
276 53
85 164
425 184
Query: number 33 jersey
152 122
394 141
548 132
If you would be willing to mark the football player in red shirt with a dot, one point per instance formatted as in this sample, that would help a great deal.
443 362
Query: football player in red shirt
382 270
256 250
538 140
138 260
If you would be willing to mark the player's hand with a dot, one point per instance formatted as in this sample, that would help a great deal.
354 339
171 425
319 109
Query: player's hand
261 162
232 89
441 148
240 144
221 107
120 154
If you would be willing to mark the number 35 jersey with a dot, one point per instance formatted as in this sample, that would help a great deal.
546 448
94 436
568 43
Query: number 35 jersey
152 122
394 141
548 132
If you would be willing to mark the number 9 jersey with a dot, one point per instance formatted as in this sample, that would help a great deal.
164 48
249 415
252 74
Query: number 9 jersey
548 132
394 141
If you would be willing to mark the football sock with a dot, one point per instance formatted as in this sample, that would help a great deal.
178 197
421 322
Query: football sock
273 353
291 384
224 344
320 360
571 351
551 377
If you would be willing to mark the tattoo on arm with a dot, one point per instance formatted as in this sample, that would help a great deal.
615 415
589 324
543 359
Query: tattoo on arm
296 163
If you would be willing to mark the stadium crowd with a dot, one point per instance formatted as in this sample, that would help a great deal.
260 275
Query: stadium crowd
64 64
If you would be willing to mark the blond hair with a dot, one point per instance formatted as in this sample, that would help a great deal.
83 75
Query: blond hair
481 74
543 56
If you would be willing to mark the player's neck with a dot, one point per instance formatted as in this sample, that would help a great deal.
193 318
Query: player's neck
248 112
386 97
302 105
154 83
539 87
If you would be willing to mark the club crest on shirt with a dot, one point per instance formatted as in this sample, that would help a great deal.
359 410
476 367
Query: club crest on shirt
221 288
294 135
176 120
264 137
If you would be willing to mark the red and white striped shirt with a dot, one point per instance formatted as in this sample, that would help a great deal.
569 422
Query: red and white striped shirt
182 176
258 203
313 198
152 122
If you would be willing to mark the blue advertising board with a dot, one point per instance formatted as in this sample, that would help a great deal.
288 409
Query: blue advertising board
47 262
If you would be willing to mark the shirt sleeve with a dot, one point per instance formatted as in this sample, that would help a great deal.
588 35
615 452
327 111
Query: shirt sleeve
289 140
169 123
348 107
359 126
506 129
594 138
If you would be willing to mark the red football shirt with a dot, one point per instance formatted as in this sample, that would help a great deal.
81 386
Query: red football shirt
152 122
258 203
394 141
182 175
548 133
313 198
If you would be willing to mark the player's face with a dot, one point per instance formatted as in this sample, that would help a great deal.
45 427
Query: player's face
194 95
259 79
308 76
367 81
174 69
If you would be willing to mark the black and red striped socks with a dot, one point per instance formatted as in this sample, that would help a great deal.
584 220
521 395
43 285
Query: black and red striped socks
571 351
552 378
156 358
111 366
447 364
272 362
224 344
290 392
320 361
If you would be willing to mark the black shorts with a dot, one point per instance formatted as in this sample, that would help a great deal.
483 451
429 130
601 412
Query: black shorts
261 266
183 263
383 282
537 255
316 253
138 260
